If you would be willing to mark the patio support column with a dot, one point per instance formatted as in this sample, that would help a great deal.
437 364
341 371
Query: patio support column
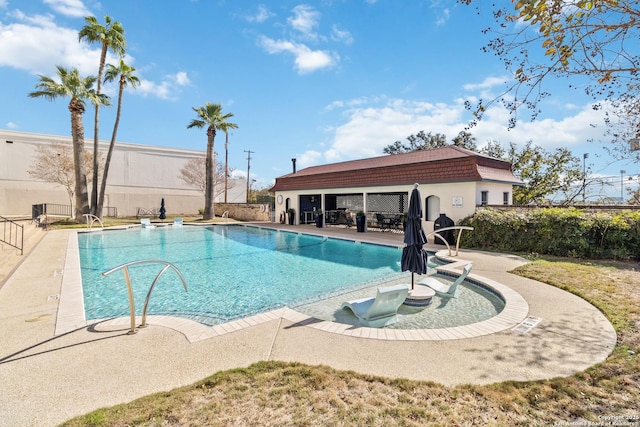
364 202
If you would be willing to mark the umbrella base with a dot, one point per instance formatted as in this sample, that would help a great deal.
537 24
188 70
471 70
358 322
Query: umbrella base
420 297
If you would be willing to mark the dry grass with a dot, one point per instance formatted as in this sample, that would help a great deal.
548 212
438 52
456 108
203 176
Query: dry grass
292 394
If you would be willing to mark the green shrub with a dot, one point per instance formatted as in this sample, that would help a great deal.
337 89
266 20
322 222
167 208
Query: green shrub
566 232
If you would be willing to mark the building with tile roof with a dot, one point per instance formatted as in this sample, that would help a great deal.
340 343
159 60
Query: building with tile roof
452 181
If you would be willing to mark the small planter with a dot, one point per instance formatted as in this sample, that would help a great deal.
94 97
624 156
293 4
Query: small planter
291 213
319 220
361 223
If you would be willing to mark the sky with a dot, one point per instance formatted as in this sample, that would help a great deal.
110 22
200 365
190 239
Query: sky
319 81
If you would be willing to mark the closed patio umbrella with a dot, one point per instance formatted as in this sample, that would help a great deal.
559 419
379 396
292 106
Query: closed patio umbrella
163 211
414 257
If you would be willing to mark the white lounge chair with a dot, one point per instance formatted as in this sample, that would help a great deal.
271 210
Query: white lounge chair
381 310
443 290
177 222
146 223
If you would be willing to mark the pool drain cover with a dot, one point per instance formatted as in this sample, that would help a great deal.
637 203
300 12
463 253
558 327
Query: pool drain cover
526 325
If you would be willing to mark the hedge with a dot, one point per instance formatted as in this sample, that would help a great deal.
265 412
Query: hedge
566 232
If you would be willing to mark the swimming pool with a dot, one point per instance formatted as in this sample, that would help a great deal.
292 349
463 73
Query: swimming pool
234 271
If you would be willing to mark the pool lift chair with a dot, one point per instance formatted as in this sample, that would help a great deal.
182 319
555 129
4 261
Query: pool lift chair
177 222
443 290
379 311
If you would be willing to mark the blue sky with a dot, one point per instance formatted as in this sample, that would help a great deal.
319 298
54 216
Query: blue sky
320 81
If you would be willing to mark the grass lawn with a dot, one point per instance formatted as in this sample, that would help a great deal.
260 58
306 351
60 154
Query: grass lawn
292 394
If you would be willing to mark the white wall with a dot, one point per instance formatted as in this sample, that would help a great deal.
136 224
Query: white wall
139 176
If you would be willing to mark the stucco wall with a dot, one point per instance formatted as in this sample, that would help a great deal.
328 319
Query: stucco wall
245 211
139 176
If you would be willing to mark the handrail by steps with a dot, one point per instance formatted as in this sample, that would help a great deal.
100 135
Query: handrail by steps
436 233
15 234
91 219
127 279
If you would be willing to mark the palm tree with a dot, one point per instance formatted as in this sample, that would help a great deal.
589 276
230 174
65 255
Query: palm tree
211 115
110 37
124 74
79 89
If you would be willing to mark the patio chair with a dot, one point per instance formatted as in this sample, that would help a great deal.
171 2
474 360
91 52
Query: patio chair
379 311
383 222
348 221
146 223
443 290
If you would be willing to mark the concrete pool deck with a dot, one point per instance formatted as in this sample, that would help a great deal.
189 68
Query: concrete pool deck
47 378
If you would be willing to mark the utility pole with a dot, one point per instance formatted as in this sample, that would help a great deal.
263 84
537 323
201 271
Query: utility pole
249 152
622 172
226 164
585 156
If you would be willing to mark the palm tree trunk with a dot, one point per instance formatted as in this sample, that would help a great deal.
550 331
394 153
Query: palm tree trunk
77 135
94 183
96 137
107 162
226 164
208 187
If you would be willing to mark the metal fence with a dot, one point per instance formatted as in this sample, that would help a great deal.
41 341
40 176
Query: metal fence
65 210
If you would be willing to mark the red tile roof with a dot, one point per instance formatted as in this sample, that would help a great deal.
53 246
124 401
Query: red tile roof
446 164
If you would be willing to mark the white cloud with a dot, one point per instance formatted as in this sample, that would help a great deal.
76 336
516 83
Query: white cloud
306 60
74 8
570 131
308 158
166 89
443 18
37 44
181 78
371 126
305 20
340 35
11 125
3 4
354 102
261 15
488 83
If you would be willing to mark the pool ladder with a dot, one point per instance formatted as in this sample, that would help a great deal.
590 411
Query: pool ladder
460 228
127 279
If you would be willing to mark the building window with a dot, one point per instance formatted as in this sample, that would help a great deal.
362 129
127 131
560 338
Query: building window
484 198
505 198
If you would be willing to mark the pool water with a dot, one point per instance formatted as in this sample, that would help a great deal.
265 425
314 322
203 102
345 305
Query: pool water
231 271
474 305
235 271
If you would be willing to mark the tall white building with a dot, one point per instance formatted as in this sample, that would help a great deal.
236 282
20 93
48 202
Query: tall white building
139 177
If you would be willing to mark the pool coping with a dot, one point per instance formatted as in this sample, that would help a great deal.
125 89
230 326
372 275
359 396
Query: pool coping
71 313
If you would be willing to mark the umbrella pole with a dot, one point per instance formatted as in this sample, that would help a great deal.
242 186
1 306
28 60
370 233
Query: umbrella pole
412 281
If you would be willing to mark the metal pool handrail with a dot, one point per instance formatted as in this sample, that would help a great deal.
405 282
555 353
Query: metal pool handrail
91 219
436 233
127 279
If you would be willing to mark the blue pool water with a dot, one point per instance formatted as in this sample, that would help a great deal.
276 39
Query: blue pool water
231 271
